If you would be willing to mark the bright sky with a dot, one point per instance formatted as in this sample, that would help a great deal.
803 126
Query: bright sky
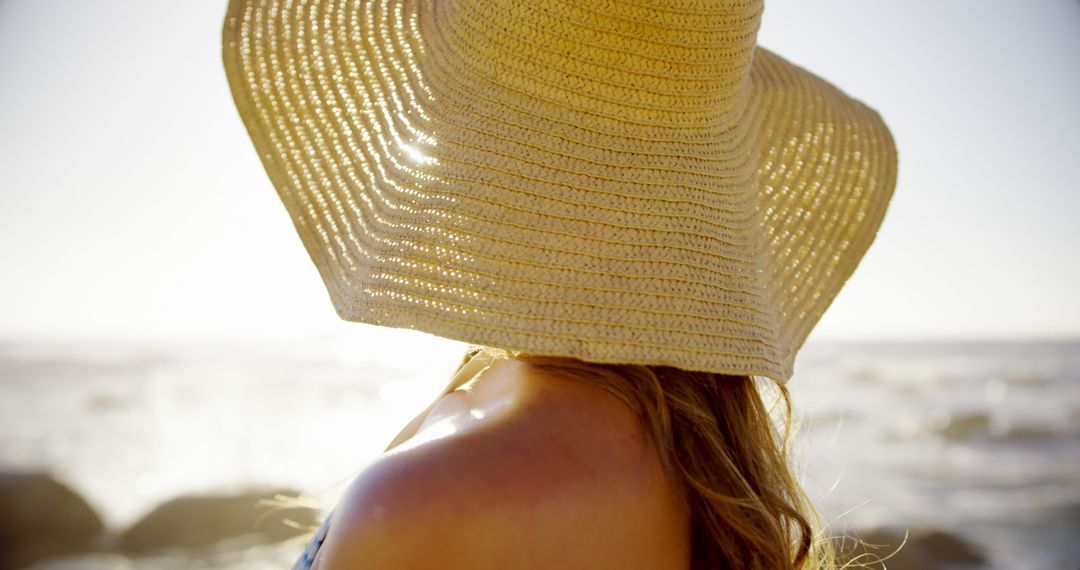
133 205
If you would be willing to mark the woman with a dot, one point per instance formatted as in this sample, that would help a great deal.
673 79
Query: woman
634 213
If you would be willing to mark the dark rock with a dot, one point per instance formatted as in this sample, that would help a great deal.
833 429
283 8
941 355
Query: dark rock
104 561
1024 433
200 521
1030 380
105 403
866 375
43 518
961 426
925 549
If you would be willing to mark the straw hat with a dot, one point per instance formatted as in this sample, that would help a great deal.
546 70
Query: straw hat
618 180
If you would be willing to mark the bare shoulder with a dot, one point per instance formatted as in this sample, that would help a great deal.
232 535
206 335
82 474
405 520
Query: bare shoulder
552 474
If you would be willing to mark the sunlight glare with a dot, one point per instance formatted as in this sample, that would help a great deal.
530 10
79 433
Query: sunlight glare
416 155
438 430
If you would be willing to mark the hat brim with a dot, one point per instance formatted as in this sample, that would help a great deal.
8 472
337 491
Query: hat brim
432 199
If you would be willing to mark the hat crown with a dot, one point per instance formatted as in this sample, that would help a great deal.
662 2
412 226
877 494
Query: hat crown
688 56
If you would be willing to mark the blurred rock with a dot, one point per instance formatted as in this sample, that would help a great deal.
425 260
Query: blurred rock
865 375
925 549
43 518
230 555
105 403
1030 380
95 561
1023 433
959 426
968 426
200 521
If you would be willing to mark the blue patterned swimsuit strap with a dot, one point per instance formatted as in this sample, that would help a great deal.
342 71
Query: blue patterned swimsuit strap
306 559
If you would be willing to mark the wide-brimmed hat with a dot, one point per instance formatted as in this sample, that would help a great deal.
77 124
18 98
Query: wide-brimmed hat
612 180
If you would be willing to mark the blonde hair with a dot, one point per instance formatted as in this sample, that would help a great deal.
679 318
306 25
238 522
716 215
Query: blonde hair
716 437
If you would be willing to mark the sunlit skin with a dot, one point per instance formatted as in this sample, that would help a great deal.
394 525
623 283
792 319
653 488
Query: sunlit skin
516 469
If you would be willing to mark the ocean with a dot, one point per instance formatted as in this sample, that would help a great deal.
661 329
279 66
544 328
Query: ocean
979 440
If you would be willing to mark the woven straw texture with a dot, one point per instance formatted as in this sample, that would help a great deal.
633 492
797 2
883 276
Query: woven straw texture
617 181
